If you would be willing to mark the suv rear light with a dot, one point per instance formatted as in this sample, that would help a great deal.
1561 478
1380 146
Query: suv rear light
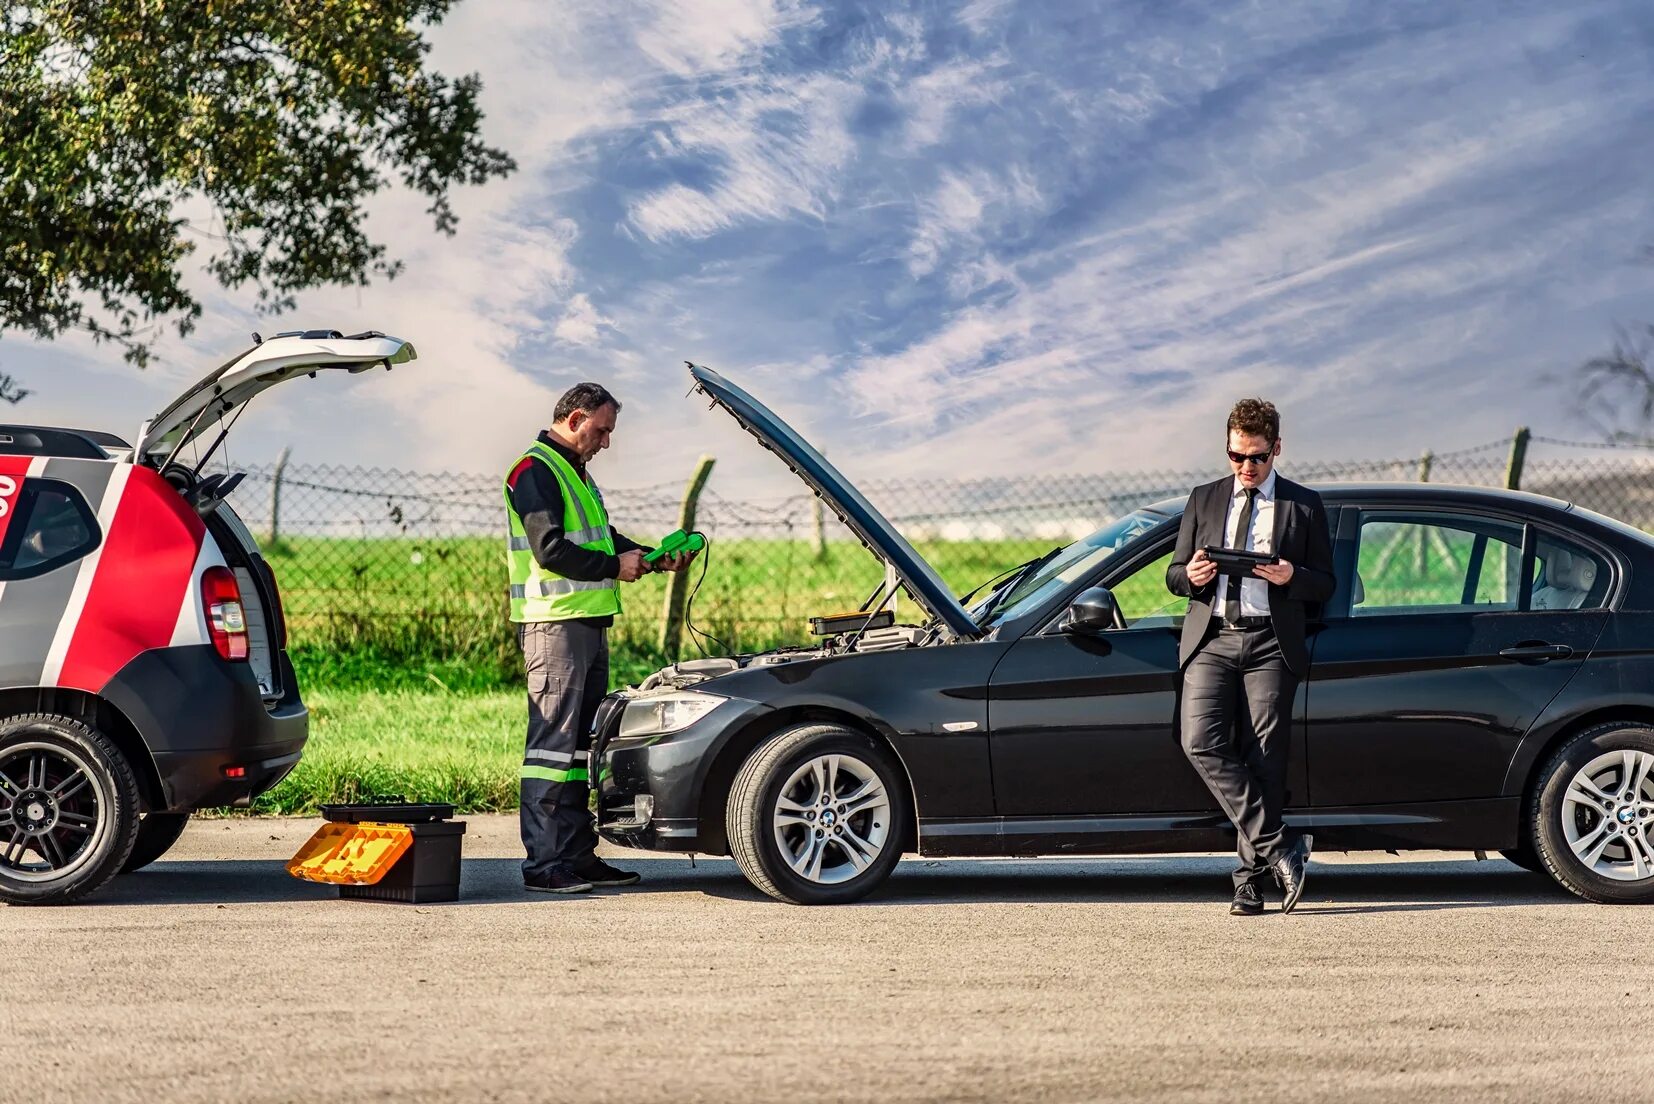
226 620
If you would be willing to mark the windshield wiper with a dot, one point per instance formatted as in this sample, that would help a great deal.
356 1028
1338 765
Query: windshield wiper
997 598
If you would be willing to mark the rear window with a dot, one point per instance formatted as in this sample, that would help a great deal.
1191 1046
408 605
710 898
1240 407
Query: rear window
48 525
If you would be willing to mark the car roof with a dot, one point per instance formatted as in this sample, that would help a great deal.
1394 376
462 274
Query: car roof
79 444
1467 496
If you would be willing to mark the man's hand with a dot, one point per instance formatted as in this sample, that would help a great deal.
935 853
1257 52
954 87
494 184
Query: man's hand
632 566
1201 568
674 563
1279 573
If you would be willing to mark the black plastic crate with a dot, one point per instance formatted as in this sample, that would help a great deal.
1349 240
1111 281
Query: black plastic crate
429 871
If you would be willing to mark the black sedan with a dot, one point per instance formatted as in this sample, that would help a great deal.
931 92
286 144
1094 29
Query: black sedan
1482 679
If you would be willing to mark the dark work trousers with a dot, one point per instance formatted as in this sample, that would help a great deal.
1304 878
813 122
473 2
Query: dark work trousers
1236 728
567 664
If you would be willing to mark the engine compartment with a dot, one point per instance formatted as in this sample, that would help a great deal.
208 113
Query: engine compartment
689 672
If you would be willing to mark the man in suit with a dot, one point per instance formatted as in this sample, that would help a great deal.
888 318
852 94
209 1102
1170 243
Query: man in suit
1243 650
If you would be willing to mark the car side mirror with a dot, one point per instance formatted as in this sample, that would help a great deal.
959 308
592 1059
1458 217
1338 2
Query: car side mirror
1092 611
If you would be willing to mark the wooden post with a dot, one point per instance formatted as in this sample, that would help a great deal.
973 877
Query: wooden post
1425 460
818 529
275 495
677 585
1518 455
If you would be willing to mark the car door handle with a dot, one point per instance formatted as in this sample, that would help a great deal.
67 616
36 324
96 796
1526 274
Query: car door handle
1536 653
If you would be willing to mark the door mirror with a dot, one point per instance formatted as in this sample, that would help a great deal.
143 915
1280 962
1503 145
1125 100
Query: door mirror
1093 611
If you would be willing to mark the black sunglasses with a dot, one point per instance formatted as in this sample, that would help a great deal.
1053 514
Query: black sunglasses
1258 458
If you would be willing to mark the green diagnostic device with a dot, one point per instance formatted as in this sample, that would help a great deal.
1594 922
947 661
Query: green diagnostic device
675 543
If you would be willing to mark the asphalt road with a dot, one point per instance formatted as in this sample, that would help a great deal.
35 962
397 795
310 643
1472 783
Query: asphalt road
213 976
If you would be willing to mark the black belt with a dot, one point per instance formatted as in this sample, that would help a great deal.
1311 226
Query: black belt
1247 623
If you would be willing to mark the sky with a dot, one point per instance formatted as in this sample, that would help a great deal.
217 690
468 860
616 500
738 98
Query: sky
982 238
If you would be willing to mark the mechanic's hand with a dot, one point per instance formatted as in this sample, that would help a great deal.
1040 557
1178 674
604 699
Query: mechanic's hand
632 567
674 563
1278 573
1201 568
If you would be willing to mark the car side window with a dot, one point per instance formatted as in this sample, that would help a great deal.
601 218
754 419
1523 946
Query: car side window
1566 576
1145 602
1435 563
50 525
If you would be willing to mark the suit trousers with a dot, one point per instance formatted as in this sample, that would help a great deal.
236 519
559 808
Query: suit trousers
567 664
1236 716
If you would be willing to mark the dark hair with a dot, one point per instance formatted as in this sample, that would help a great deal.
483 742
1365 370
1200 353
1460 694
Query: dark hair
1256 418
584 396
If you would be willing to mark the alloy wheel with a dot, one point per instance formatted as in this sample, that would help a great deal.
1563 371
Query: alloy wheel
52 811
832 819
1607 814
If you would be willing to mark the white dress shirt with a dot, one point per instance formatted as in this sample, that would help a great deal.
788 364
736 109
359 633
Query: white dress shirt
1254 594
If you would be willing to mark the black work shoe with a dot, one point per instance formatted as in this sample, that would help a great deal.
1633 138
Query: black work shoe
1248 901
1289 871
558 881
600 873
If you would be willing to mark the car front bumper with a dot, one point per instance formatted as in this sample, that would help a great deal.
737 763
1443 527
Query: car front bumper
649 788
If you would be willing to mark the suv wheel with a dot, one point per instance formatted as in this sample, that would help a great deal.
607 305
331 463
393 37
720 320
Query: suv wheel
157 832
1594 811
68 809
817 815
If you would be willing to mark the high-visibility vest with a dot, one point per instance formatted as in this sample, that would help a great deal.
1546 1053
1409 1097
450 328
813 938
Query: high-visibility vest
541 595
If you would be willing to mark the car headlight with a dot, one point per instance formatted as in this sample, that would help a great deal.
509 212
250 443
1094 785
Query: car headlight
656 716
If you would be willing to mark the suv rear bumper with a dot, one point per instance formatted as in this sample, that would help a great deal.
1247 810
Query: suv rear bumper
201 717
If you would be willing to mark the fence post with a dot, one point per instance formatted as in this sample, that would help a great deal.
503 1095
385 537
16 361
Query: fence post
1518 454
677 585
275 495
818 529
1425 460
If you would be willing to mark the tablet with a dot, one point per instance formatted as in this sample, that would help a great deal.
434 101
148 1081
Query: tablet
1238 561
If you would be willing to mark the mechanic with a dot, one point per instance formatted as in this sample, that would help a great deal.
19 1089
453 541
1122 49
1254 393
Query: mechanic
567 564
1243 650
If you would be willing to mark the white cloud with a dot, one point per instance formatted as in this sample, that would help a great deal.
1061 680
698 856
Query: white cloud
582 324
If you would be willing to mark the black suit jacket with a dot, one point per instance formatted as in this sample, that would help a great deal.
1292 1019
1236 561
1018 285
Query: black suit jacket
1301 538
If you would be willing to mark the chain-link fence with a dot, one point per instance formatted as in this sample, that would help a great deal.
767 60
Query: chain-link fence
400 561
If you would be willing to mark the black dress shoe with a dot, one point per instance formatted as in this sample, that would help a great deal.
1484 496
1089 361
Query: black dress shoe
1289 871
1248 901
558 881
600 873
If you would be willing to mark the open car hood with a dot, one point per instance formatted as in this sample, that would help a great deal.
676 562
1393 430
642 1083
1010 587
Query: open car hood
874 530
204 406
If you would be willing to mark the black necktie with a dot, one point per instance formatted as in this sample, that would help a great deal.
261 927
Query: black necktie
1231 604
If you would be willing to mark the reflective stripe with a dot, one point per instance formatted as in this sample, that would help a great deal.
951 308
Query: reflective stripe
552 774
579 536
552 756
587 536
550 588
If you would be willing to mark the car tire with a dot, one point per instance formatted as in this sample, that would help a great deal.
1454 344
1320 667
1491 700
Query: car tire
157 832
69 812
1593 811
801 849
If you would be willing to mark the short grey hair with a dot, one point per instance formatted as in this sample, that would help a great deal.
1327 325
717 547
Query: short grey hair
584 396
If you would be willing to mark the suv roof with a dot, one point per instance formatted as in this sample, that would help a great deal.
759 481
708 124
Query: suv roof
80 444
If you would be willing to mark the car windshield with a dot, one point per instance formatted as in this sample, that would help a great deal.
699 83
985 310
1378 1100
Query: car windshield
1069 565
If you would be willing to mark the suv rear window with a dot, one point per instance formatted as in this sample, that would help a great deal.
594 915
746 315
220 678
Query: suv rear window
50 525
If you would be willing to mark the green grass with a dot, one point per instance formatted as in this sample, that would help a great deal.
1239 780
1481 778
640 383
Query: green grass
432 614
461 748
